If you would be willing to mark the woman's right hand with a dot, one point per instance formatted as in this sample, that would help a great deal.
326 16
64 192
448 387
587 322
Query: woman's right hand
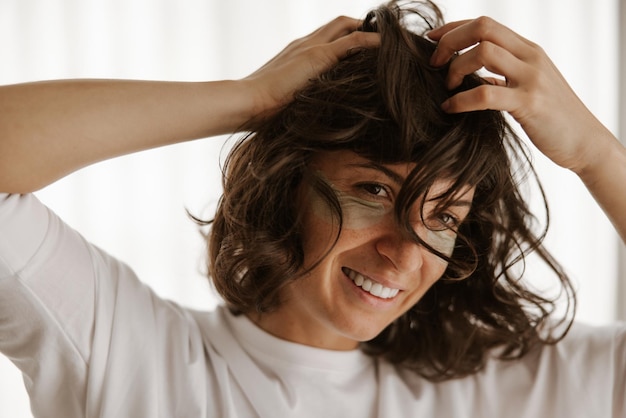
50 129
273 84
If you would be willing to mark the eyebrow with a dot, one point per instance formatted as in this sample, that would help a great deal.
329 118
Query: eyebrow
398 179
461 203
455 203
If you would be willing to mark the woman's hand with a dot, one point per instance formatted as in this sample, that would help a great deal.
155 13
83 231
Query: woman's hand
531 89
534 92
273 84
50 129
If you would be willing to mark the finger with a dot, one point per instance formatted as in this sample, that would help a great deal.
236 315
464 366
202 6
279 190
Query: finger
347 44
492 97
485 55
470 33
336 28
322 57
437 33
495 81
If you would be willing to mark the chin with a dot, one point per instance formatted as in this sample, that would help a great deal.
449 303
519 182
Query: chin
364 334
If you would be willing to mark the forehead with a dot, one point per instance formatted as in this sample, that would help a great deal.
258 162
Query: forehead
345 161
345 165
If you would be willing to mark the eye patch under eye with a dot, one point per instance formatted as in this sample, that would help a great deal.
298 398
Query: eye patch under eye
441 240
358 213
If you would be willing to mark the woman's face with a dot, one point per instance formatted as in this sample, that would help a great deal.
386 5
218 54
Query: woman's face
374 273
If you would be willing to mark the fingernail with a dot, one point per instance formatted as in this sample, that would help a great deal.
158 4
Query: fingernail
430 32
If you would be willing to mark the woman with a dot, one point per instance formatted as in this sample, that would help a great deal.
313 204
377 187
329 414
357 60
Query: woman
370 211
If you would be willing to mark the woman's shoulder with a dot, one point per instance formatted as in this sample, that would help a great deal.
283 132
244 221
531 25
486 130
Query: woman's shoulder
578 376
591 349
23 226
583 337
585 350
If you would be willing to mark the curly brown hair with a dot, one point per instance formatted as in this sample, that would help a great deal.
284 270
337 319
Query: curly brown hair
384 104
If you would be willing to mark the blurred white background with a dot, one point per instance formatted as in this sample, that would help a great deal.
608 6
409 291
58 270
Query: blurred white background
134 207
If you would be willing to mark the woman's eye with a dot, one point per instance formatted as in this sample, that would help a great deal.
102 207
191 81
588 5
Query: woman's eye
448 220
442 222
374 189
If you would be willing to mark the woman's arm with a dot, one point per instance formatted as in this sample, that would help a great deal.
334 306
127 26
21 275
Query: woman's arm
535 93
50 129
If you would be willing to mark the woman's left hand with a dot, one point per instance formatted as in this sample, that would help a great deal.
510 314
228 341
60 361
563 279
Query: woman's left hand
531 89
534 92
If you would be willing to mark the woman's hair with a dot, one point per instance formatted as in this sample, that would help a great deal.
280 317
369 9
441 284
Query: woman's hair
385 104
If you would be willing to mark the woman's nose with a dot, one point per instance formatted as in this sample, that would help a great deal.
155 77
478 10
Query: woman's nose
400 250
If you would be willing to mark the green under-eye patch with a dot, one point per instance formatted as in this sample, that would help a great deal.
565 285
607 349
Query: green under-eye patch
359 213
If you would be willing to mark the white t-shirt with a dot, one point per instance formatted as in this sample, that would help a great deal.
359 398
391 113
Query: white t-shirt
93 341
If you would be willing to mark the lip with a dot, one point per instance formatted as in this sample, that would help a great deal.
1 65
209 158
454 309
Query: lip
367 297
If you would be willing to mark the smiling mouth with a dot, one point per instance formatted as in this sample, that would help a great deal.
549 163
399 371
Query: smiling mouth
370 286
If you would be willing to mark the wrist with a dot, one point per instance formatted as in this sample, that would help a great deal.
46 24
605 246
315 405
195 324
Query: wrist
229 106
603 152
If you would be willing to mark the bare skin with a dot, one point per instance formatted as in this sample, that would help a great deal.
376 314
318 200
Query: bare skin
50 129
326 309
331 307
535 93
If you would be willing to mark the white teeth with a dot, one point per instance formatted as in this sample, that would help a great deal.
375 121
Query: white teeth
370 286
358 279
377 289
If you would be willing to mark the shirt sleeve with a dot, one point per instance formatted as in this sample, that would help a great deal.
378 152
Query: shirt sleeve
597 355
46 301
584 374
89 337
619 390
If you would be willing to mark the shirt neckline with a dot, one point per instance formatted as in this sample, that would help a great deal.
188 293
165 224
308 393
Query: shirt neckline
259 342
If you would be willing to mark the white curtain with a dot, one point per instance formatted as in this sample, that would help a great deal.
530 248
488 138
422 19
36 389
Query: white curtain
134 207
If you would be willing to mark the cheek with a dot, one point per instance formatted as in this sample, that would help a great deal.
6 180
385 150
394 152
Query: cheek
318 233
432 270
